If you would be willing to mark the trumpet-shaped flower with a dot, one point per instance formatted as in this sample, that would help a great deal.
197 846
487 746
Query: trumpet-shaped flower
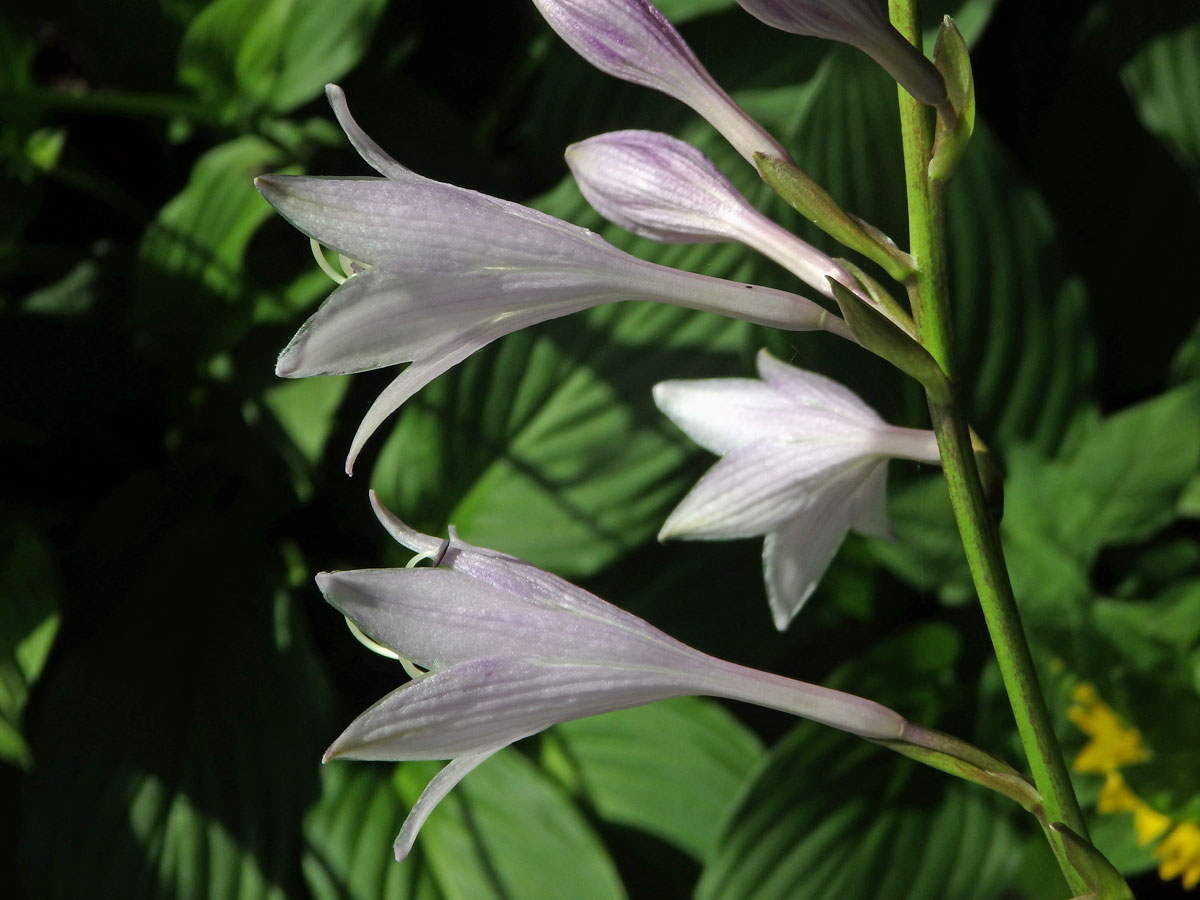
511 650
664 189
804 460
633 41
862 24
442 271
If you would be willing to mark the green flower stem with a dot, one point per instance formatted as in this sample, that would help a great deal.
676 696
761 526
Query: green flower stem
981 539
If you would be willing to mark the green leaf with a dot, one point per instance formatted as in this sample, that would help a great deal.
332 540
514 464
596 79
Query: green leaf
680 11
1119 482
248 56
1122 480
305 409
184 728
548 445
73 294
29 621
831 816
673 769
189 278
506 831
348 838
927 552
1163 80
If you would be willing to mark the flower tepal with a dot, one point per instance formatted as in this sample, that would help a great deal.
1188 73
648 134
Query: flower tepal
862 24
662 188
448 270
804 460
511 650
632 40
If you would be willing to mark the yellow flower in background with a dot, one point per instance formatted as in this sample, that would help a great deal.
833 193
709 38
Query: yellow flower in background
1179 854
1114 744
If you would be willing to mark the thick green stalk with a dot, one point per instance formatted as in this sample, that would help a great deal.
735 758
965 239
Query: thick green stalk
977 528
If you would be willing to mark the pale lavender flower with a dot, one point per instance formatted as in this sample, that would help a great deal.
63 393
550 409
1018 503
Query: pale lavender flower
804 460
862 24
511 650
442 271
664 189
633 41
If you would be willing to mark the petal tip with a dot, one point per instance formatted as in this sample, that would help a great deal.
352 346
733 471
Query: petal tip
285 366
329 583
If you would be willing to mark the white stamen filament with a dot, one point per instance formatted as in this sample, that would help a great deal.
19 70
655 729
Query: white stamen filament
418 559
319 254
411 669
373 646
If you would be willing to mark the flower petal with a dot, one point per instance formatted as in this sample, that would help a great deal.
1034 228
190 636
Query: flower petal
797 553
869 506
754 489
444 616
632 40
439 786
491 252
810 390
862 24
664 189
377 318
417 225
520 578
486 703
723 414
432 364
370 151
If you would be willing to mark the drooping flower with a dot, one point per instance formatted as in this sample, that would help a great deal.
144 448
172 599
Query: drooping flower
862 24
633 41
442 271
511 650
664 189
804 460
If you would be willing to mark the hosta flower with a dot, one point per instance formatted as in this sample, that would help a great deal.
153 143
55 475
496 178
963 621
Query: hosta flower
804 460
511 650
441 271
862 24
633 41
664 189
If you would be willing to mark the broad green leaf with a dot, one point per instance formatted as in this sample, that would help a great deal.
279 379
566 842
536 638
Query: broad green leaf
506 831
1163 80
73 294
305 410
831 816
190 275
673 769
548 445
1121 480
247 56
184 727
519 829
1152 632
680 11
348 838
1118 482
29 621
